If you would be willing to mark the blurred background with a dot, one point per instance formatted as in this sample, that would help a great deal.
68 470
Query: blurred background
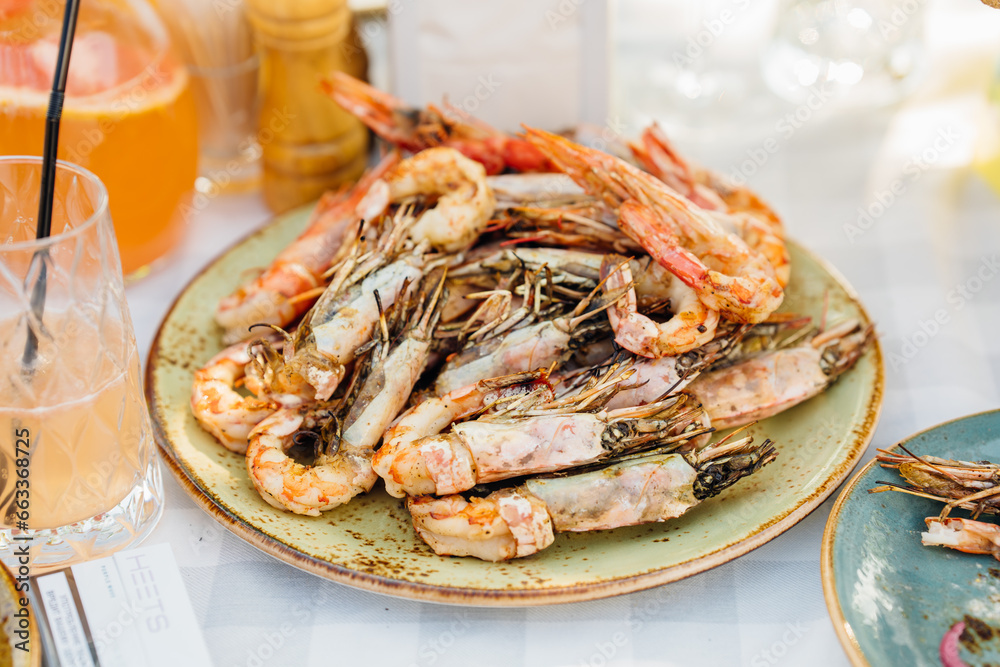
723 77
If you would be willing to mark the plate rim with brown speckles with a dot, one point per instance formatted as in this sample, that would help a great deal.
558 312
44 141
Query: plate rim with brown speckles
857 435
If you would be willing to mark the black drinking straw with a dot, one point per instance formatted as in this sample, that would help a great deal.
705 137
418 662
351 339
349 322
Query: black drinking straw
43 224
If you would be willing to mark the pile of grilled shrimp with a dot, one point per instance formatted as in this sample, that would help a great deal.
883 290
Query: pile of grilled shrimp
518 335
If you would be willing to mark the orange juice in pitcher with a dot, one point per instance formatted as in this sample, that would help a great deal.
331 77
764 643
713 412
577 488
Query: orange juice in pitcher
129 116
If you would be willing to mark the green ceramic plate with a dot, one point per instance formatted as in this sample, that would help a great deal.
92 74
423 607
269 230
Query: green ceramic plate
369 543
892 599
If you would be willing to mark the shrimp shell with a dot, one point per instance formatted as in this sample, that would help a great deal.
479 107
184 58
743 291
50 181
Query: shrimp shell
971 537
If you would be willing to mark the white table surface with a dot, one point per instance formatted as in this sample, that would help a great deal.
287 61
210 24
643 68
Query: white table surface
765 608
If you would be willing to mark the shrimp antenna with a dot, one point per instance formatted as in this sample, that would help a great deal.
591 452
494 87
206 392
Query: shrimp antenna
432 314
892 486
381 316
927 463
274 327
979 507
582 306
549 279
676 385
826 307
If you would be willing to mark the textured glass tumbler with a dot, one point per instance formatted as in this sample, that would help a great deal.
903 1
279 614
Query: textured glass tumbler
79 477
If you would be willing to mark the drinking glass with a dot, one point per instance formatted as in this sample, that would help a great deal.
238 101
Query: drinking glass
227 104
79 476
216 45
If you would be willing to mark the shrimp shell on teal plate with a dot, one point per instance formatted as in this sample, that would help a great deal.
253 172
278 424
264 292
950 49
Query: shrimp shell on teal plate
369 543
892 599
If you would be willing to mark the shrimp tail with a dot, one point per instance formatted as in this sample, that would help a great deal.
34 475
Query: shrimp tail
386 115
658 156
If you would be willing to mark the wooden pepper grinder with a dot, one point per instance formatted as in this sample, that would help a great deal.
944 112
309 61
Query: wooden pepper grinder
309 143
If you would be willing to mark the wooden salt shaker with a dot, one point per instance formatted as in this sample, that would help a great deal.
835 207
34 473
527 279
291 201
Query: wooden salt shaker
309 143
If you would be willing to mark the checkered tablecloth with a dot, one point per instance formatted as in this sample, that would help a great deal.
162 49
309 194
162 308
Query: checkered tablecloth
926 266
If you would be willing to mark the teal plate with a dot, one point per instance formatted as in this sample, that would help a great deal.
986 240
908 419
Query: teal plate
892 599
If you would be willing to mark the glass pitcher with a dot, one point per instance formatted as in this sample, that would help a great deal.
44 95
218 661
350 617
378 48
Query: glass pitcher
129 115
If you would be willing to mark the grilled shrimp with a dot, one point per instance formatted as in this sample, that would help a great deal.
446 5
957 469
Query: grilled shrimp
738 209
552 209
583 228
761 238
343 469
732 344
513 523
271 297
418 129
539 190
575 268
494 270
708 189
310 490
219 408
402 465
340 323
770 383
522 340
727 275
464 202
692 324
510 523
642 283
346 314
382 260
524 438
